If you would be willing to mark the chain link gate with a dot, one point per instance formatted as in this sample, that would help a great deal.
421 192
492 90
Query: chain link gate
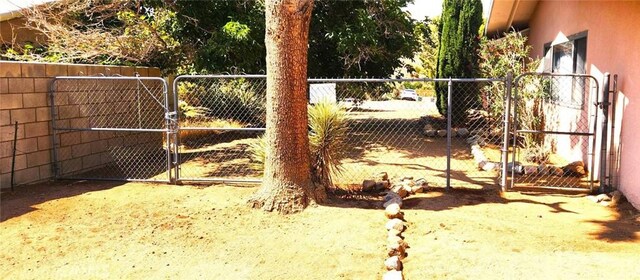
128 128
110 128
220 117
554 131
390 130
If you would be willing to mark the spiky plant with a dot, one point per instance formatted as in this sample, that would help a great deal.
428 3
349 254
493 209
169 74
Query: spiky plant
328 125
258 152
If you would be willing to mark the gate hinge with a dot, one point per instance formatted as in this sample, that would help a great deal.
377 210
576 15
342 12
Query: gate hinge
602 104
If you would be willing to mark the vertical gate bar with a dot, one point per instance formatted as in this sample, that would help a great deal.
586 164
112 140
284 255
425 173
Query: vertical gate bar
595 91
167 123
138 100
449 94
176 131
505 128
514 145
54 134
13 156
612 157
603 140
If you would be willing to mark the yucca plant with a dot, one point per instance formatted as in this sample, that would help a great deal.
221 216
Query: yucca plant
328 127
258 152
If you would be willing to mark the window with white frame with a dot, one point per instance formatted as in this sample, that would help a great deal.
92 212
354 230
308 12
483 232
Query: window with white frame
568 57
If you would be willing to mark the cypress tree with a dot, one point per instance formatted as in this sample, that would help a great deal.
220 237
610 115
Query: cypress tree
458 55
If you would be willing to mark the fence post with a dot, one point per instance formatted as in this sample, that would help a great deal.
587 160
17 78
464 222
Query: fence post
506 128
55 168
449 93
604 104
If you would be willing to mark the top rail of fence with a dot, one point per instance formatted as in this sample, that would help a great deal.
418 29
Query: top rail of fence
372 80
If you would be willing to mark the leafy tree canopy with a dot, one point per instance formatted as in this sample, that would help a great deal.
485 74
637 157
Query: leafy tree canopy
347 38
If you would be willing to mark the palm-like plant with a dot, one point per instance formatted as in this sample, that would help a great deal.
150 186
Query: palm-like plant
328 125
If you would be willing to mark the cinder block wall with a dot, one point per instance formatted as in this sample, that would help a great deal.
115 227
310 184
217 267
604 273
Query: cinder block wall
24 89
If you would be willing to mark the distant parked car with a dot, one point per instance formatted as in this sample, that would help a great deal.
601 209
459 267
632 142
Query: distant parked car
409 94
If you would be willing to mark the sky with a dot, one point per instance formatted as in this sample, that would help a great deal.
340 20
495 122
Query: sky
15 5
421 8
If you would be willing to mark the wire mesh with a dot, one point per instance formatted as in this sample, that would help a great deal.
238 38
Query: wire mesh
554 131
392 125
395 126
110 128
220 119
477 129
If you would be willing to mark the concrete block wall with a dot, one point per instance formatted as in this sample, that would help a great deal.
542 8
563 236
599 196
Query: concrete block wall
24 89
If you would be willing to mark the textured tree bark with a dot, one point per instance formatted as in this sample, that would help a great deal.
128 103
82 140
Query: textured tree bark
287 186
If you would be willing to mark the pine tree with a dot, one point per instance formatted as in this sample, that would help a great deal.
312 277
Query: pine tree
458 55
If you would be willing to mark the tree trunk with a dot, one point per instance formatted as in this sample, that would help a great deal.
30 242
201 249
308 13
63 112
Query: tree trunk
286 185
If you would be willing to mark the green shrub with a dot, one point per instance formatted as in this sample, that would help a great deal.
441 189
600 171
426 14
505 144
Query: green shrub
497 58
238 99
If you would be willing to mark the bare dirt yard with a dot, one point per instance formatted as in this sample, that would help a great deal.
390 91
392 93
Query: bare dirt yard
105 230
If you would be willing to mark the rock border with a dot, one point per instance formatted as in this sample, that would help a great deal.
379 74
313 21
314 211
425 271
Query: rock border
396 224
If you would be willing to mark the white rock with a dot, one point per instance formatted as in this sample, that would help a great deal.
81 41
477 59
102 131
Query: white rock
530 169
394 232
395 250
382 176
463 132
417 189
393 263
408 182
616 196
400 190
393 275
368 185
382 185
489 166
603 197
396 224
479 159
454 132
393 211
392 198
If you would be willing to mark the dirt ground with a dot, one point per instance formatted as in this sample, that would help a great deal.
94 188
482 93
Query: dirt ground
105 230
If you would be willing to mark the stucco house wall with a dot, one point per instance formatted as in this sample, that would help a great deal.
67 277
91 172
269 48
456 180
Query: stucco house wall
612 46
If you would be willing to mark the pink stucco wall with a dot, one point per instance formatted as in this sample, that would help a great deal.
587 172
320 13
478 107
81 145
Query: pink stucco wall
613 45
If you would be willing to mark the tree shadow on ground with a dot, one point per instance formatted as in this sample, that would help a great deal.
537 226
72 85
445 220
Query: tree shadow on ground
438 199
623 228
26 199
625 225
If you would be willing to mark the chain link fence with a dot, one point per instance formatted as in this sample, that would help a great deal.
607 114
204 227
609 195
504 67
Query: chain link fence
220 118
449 131
110 128
554 131
396 126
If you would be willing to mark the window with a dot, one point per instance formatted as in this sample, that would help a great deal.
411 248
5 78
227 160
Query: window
567 58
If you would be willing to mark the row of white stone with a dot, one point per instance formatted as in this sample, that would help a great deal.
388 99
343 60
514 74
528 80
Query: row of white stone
429 131
392 203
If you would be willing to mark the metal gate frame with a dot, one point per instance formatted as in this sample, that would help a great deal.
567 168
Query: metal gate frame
511 126
175 131
172 127
141 90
